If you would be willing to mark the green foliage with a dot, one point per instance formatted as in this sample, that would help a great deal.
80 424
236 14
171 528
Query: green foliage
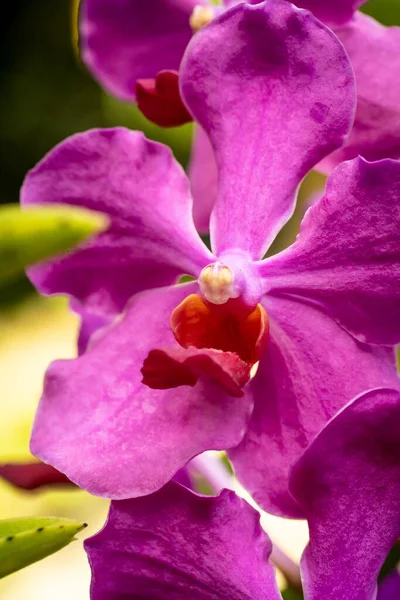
385 11
35 234
26 540
291 594
391 562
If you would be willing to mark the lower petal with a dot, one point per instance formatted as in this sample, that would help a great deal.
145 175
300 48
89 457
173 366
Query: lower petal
116 437
310 370
348 484
178 545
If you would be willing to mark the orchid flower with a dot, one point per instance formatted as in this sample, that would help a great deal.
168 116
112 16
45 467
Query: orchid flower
317 319
175 544
134 50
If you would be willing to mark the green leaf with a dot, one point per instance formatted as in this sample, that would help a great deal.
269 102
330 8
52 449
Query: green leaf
291 594
34 234
24 541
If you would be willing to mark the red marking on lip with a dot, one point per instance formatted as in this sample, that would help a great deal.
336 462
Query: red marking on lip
196 323
173 367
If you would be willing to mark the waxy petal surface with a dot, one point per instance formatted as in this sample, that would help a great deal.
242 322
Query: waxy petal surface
126 40
177 545
309 371
116 437
144 191
374 52
332 13
203 175
347 255
274 100
348 483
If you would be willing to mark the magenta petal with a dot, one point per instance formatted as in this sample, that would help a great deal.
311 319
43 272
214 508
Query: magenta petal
374 52
176 545
126 40
274 101
347 255
138 183
332 12
116 437
203 175
310 370
348 484
32 475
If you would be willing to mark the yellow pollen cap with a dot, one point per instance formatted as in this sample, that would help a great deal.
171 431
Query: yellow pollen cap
216 283
201 16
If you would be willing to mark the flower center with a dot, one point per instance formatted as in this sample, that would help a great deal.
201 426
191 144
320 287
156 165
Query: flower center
216 283
201 16
224 316
222 331
195 322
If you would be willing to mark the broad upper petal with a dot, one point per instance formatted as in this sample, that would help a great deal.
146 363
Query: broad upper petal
116 437
274 90
126 40
146 194
348 484
347 255
177 545
374 52
310 370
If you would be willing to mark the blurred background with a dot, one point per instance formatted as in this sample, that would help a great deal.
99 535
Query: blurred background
46 95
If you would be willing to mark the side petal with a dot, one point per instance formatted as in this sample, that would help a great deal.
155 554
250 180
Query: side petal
374 52
203 175
309 371
90 322
274 100
138 183
176 544
116 437
348 484
126 40
347 255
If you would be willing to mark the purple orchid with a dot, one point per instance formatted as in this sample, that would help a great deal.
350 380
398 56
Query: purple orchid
307 315
125 41
177 545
